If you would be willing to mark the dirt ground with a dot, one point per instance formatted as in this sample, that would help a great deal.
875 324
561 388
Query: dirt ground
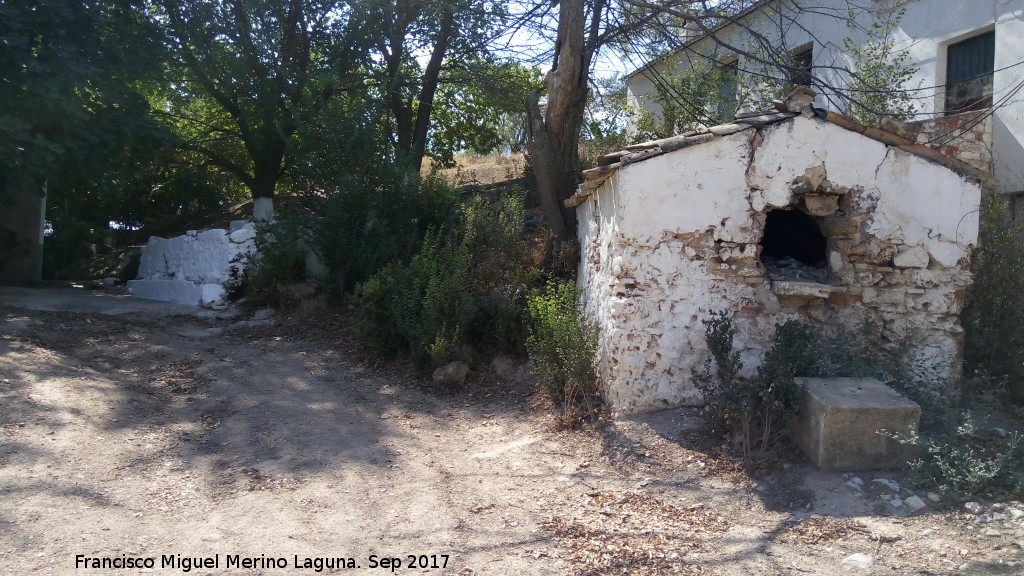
176 439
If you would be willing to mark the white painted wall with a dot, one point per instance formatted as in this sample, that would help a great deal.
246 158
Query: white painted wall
194 268
667 240
926 30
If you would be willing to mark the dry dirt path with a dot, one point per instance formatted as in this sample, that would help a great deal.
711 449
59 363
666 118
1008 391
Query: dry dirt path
145 434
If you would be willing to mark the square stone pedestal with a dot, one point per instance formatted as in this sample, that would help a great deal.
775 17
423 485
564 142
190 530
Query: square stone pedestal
840 419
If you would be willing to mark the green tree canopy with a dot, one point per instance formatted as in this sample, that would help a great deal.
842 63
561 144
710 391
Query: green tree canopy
69 73
422 45
248 74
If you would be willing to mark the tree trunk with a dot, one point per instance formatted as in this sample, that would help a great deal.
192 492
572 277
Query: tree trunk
268 158
553 143
545 159
429 89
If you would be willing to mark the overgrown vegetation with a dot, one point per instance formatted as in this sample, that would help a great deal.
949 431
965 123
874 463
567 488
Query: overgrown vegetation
704 95
964 455
754 411
277 261
757 410
968 459
563 351
993 315
462 281
956 453
366 222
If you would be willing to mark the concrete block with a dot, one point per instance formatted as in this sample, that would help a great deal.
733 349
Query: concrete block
840 419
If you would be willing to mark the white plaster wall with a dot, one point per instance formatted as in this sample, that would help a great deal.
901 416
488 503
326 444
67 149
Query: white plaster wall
644 288
849 158
926 30
193 269
659 187
921 206
667 240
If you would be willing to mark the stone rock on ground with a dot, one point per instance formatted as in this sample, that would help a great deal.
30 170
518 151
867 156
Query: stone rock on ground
509 369
914 503
263 314
451 375
858 561
890 484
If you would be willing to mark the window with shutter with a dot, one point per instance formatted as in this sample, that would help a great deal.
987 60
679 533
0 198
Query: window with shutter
969 66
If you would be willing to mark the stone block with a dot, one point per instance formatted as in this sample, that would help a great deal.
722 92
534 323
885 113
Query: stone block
451 376
805 289
914 257
242 235
839 423
821 204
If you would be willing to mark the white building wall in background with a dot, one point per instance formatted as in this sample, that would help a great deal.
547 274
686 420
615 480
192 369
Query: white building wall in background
926 31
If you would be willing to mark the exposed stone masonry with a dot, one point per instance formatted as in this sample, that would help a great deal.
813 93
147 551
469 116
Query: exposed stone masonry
673 229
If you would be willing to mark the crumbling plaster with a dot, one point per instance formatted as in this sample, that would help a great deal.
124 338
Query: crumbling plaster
669 238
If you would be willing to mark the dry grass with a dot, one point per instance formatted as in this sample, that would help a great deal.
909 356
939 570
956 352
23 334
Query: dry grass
473 170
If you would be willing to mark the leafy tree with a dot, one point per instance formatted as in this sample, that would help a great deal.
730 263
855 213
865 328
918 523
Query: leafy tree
689 99
584 28
638 29
247 74
480 107
879 75
604 126
67 79
441 33
75 122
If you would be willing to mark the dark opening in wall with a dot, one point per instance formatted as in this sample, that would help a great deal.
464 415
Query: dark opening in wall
792 238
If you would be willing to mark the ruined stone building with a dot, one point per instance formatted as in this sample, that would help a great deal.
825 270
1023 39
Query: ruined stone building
780 215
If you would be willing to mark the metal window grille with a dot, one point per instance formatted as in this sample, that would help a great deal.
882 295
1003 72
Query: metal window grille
969 66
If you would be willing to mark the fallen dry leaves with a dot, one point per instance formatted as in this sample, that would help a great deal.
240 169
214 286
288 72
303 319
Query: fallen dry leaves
633 533
820 530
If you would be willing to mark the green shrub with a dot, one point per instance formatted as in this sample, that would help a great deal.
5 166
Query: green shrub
463 282
501 322
423 307
366 223
719 381
755 411
493 231
448 306
993 315
880 78
967 461
279 259
860 351
563 350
